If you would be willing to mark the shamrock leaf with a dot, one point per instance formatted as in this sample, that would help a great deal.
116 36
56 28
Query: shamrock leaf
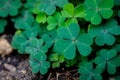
24 21
97 9
70 39
22 39
49 38
36 47
39 64
55 20
70 11
3 23
20 42
49 6
106 59
9 7
41 18
32 5
88 73
56 60
104 34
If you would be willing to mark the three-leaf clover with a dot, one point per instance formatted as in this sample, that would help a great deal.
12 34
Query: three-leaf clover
49 6
104 34
36 47
22 39
3 23
106 59
25 21
9 7
39 64
55 20
70 40
56 59
70 11
20 42
87 72
97 9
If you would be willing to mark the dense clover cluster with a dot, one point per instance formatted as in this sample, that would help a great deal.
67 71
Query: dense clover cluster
53 32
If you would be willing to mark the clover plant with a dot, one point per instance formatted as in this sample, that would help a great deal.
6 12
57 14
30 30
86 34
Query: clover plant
75 33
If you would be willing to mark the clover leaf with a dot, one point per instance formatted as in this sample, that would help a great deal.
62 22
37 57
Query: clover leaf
87 72
32 5
49 38
56 60
70 11
49 6
24 21
39 64
70 39
55 20
104 34
97 9
22 39
106 58
9 7
41 18
20 42
36 47
3 23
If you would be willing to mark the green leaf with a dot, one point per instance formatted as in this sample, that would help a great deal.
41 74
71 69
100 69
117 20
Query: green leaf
104 59
32 6
49 6
55 65
56 59
20 42
70 63
72 41
61 58
104 34
25 21
49 38
9 7
41 18
3 23
39 63
70 11
21 39
88 73
80 11
53 57
55 21
71 20
36 47
97 9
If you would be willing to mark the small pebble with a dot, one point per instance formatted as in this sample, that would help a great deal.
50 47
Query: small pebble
22 71
9 67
